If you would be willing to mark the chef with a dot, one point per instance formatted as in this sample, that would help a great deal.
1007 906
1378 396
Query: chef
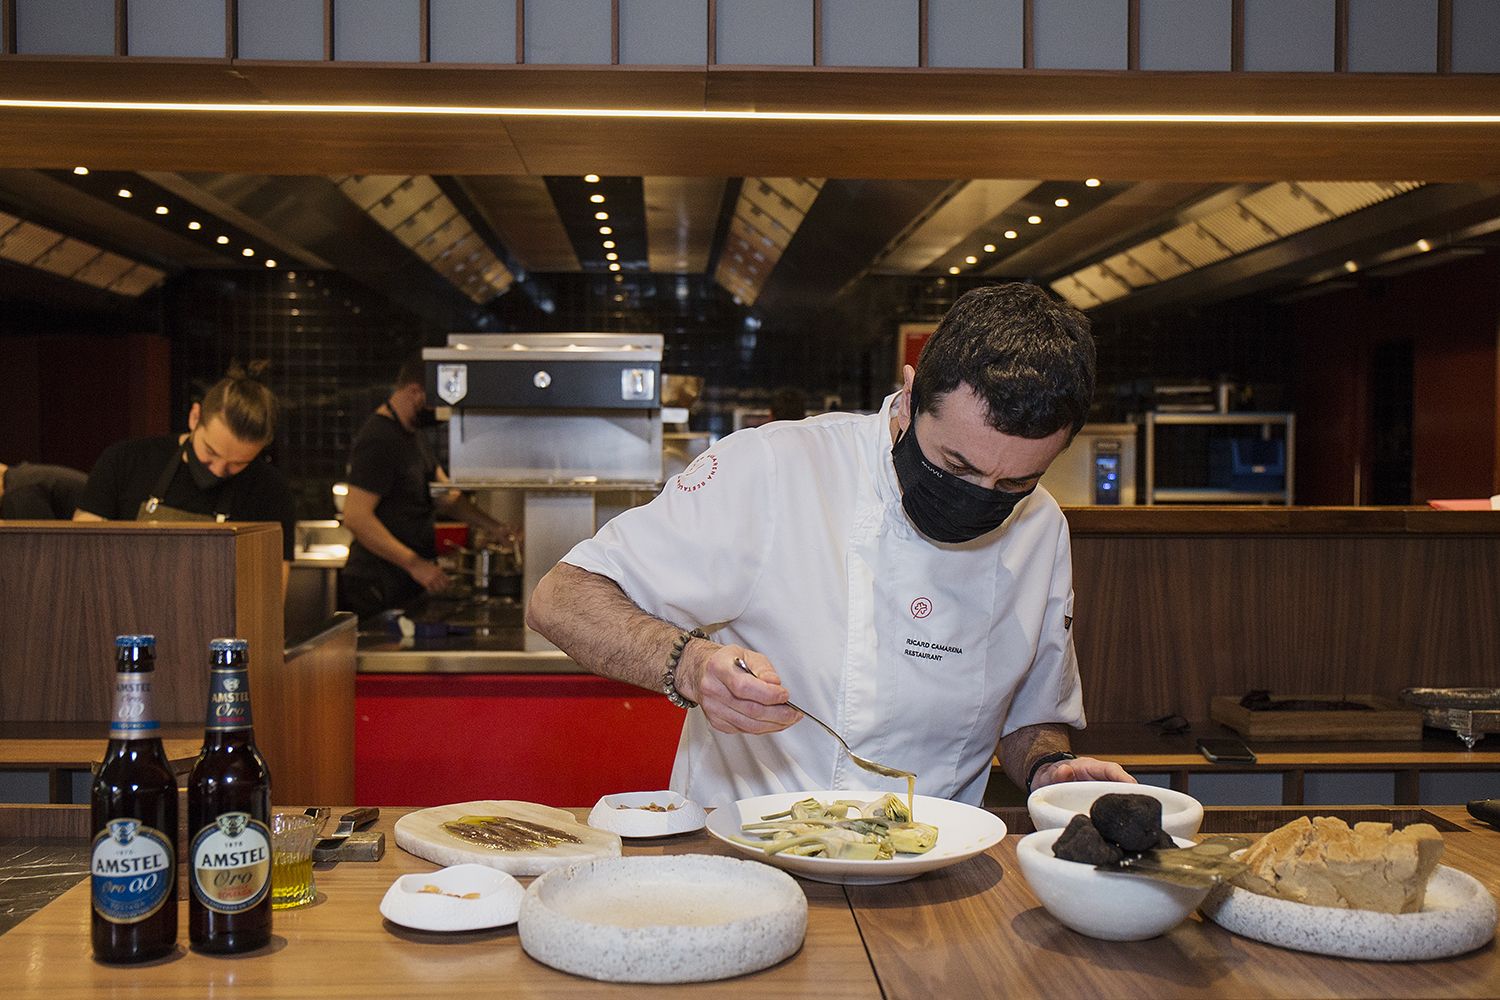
214 472
390 509
900 575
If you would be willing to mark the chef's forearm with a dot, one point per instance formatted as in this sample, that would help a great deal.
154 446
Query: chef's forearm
1019 749
589 617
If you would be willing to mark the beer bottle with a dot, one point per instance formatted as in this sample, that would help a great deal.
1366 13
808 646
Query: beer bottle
133 861
229 809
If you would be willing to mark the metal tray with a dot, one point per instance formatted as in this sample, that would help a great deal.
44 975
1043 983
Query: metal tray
1471 712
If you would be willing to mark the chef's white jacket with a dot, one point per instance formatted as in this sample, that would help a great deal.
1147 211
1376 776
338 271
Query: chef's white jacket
790 540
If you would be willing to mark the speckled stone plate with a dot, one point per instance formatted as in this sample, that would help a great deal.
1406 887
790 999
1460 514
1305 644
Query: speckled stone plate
683 918
1457 916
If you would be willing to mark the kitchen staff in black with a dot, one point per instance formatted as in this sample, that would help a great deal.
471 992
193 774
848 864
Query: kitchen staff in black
214 472
31 492
390 509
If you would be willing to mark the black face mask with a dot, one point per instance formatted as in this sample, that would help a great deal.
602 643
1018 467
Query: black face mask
945 507
203 476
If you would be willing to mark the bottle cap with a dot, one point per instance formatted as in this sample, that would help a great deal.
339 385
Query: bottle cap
135 641
228 645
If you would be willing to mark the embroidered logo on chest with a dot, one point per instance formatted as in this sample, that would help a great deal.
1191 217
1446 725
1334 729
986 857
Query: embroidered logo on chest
921 608
697 475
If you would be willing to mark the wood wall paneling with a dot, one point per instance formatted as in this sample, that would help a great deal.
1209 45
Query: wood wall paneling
7 27
316 689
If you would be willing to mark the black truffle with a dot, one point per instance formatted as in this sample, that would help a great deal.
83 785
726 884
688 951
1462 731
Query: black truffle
1131 821
1165 841
1079 841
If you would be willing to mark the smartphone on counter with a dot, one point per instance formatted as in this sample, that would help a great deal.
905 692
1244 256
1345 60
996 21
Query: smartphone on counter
1224 750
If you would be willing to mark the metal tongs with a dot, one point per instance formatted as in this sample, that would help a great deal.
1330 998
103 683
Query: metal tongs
868 765
1201 866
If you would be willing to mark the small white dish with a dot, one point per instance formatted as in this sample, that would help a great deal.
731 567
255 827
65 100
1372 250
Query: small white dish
498 904
963 831
1107 905
1457 916
1051 806
624 813
682 918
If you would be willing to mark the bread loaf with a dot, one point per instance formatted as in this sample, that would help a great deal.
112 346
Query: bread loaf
1325 863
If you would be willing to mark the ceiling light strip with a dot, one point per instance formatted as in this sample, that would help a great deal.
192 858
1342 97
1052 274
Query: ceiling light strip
998 118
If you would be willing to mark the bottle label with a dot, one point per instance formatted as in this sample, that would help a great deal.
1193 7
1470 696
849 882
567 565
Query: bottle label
232 863
132 871
134 717
228 700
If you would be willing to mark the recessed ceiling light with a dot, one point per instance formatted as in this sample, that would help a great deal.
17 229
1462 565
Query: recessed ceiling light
619 278
1061 203
605 230
195 225
597 199
989 248
1423 245
614 267
1350 266
591 178
611 256
971 259
619 298
162 210
1010 234
248 252
222 240
1035 220
81 171
1092 182
124 193
609 244
601 216
953 270
270 263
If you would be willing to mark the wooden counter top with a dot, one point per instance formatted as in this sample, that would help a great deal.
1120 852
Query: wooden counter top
1218 520
974 929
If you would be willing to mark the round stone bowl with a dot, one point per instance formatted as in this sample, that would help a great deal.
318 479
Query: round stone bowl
1107 905
677 919
1053 805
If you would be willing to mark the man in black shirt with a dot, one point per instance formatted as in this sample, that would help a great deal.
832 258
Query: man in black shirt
391 511
30 492
213 472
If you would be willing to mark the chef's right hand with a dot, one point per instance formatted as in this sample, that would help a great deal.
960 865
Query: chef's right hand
732 700
429 574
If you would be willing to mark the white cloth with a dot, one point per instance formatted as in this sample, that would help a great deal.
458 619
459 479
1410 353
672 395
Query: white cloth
790 539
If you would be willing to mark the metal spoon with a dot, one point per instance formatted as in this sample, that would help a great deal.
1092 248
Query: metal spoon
868 765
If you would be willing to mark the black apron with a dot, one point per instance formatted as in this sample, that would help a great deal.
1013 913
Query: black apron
152 509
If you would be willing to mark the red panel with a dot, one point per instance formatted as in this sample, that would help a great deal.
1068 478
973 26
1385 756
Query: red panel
562 740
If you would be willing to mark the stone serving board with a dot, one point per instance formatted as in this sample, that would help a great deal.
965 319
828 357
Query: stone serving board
421 833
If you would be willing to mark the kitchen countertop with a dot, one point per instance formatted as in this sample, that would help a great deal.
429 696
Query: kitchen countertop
973 929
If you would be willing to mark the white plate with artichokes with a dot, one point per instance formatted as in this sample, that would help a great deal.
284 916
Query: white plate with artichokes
855 837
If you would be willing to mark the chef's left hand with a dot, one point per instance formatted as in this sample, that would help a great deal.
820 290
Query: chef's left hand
1079 769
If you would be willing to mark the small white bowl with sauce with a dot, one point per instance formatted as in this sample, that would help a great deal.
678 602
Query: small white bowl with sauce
647 814
458 898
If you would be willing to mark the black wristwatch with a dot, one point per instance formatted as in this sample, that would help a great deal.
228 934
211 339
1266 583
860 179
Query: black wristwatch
1044 760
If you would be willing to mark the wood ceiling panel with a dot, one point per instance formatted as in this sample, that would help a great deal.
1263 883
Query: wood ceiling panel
521 212
682 214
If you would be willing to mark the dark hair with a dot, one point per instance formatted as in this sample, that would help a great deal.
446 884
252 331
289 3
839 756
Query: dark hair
244 402
1027 355
788 403
413 371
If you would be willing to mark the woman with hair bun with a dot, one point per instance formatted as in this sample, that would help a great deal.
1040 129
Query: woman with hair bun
215 471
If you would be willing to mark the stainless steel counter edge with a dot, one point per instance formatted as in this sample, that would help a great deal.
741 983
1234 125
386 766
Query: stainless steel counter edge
413 661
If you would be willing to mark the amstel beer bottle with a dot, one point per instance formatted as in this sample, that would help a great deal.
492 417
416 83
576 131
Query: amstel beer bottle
229 809
133 863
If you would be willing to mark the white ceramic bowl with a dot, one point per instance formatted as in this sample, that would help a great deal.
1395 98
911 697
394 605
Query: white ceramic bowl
499 901
622 813
1051 806
1105 905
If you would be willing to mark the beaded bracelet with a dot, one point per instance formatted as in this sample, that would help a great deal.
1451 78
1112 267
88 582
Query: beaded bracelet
1045 759
669 679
